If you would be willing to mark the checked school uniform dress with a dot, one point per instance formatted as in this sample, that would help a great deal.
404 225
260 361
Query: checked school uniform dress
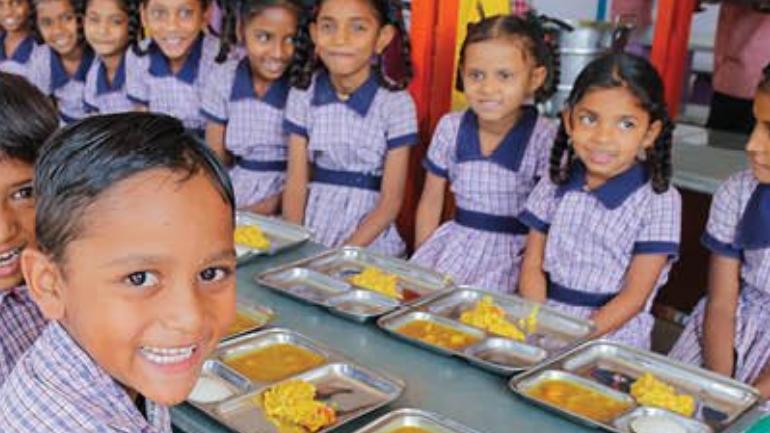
48 74
20 324
151 83
594 235
482 246
739 228
254 130
103 96
57 388
347 146
18 62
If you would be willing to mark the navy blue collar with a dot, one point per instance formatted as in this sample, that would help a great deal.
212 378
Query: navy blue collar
103 85
159 65
23 51
754 227
509 152
59 75
359 101
614 192
243 87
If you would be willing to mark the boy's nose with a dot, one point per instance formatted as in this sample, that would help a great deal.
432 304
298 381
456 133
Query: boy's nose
183 311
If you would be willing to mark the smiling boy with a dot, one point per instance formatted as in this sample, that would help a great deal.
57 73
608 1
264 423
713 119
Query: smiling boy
28 118
135 266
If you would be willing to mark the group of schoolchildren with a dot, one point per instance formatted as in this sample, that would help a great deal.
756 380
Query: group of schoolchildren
120 226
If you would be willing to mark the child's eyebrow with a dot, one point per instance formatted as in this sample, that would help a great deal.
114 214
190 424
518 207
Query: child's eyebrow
150 260
22 182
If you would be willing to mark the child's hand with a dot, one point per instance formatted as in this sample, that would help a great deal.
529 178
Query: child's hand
533 284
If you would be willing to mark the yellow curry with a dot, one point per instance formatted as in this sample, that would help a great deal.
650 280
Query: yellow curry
437 334
578 399
274 362
378 281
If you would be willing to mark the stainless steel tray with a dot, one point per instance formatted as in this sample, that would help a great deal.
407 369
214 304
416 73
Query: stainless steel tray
556 332
353 390
323 280
283 235
720 401
259 315
415 418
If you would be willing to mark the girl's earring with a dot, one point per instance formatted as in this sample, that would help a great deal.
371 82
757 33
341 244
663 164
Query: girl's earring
642 154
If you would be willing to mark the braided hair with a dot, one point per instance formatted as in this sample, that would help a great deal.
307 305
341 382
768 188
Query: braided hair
530 31
131 9
389 12
244 10
636 74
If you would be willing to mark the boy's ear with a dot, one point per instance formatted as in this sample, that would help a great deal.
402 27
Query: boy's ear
387 33
44 281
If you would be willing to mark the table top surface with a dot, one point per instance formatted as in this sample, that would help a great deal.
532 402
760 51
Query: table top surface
443 385
703 158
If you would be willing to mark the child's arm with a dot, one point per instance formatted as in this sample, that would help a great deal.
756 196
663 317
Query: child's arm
640 281
430 207
763 383
297 178
719 321
215 137
391 197
268 206
532 281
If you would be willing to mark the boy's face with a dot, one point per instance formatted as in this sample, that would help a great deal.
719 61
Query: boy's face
58 25
148 286
17 218
174 25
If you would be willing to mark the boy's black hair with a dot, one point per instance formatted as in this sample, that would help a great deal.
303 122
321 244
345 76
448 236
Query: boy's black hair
389 12
764 83
636 74
529 30
131 8
243 10
82 161
28 119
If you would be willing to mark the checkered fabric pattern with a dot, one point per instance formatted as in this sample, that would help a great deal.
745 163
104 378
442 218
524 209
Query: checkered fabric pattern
57 387
20 324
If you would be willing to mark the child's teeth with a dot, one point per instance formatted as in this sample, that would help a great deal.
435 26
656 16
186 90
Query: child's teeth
162 355
9 256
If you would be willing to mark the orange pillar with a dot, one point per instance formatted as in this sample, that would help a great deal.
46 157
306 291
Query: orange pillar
670 46
423 35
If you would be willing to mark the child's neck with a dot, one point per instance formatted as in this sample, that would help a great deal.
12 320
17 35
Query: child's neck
492 133
72 60
345 85
260 85
111 64
13 40
176 65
